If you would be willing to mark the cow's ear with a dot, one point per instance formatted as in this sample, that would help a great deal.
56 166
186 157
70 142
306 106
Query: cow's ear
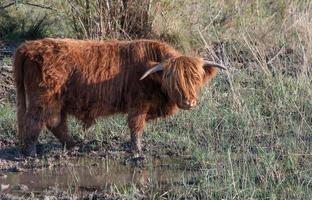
153 72
211 69
210 72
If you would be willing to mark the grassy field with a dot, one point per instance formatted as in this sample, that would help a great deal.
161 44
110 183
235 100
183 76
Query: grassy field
251 135
249 138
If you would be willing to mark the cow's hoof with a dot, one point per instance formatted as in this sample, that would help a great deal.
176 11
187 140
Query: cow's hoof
71 144
30 150
138 156
136 160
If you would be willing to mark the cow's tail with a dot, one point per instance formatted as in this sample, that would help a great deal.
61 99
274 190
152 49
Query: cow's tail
20 92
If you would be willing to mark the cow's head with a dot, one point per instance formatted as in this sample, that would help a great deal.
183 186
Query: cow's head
182 77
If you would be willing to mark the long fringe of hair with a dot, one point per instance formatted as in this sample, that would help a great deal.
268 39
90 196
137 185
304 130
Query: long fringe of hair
183 75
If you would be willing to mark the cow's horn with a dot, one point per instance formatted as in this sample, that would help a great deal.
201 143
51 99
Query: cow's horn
213 64
157 68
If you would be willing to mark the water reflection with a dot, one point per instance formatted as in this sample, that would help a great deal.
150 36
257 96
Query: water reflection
92 174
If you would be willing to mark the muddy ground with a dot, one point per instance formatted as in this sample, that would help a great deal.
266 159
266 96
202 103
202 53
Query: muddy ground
19 175
90 168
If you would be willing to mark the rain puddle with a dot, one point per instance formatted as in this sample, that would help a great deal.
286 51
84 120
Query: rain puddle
86 174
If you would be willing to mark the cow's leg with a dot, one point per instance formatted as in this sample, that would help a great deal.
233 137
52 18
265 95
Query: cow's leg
30 134
33 118
60 131
136 123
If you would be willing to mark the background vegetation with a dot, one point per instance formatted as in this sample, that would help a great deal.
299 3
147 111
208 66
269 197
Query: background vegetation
251 137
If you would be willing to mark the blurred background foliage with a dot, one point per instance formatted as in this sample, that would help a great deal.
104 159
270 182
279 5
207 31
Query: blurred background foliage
234 25
245 30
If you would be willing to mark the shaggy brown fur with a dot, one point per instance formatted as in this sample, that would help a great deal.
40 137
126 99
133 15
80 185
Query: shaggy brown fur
88 79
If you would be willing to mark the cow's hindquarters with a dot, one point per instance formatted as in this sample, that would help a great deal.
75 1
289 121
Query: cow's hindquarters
38 106
33 117
29 118
20 93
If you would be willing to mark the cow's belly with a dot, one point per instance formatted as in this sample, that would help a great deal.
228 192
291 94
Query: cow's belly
88 111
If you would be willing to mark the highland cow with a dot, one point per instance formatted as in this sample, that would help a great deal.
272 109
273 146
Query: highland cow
144 79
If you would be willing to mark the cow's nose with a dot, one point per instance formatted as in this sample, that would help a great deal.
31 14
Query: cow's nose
191 102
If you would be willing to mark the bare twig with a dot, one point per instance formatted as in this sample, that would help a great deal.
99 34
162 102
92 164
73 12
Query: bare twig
6 6
278 53
38 5
29 4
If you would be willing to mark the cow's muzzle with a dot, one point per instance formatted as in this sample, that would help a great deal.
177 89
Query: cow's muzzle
188 104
